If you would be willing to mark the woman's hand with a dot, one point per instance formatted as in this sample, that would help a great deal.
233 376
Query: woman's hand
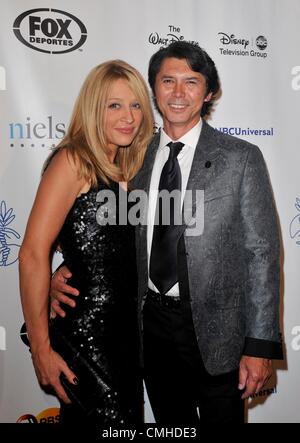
48 366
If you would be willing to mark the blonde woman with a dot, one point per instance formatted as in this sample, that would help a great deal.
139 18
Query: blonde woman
90 358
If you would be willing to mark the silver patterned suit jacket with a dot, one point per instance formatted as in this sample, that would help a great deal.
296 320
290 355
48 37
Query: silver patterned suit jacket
233 267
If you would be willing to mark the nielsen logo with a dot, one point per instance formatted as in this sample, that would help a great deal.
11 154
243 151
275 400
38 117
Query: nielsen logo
2 79
33 131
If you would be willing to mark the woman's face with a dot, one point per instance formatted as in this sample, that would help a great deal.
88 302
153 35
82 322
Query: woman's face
123 116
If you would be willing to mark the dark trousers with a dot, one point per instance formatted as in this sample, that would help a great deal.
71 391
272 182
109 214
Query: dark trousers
179 388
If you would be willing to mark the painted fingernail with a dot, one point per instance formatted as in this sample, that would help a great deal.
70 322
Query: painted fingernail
75 381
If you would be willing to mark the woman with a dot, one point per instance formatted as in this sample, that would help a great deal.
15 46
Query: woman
110 128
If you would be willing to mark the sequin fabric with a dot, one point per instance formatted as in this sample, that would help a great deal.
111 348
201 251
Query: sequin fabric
103 326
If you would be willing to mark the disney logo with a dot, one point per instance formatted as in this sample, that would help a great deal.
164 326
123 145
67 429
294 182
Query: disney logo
231 39
156 39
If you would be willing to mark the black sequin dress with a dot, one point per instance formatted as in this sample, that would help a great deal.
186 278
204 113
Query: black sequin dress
103 326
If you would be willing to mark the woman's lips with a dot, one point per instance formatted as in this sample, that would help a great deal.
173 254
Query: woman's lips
125 130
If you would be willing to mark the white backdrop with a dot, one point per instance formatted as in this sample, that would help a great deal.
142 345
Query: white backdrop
256 48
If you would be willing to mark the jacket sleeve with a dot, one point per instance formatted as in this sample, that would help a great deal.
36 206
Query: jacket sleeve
262 250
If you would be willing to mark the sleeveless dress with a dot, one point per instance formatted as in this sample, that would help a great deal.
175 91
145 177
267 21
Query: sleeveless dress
103 327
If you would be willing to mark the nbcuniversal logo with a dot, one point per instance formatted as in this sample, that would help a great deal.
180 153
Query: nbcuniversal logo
2 79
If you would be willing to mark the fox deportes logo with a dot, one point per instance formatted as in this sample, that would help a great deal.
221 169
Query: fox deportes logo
51 31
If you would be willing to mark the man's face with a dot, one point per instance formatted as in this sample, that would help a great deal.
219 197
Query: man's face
180 94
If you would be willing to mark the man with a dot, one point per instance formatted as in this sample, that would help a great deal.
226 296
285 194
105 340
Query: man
210 302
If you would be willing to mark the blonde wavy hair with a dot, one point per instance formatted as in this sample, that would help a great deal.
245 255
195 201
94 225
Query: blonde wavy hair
85 138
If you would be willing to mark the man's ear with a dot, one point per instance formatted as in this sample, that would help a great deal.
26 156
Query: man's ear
208 97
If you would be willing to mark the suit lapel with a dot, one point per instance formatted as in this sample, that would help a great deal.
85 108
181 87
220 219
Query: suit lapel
206 153
144 176
143 179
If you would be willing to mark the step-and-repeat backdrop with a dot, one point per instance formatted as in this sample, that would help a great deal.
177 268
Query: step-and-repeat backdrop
46 50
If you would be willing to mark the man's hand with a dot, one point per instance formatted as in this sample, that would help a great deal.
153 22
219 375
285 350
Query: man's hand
254 373
58 289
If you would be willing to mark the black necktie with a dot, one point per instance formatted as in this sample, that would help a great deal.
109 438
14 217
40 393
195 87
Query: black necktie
163 257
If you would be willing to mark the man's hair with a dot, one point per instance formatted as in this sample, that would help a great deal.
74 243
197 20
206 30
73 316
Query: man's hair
197 59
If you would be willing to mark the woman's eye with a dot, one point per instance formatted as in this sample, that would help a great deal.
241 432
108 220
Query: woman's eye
136 106
114 106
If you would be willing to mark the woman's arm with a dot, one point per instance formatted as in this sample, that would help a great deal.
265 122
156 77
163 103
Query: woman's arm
56 194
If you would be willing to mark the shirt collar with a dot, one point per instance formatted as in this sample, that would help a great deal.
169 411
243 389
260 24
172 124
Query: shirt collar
190 138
